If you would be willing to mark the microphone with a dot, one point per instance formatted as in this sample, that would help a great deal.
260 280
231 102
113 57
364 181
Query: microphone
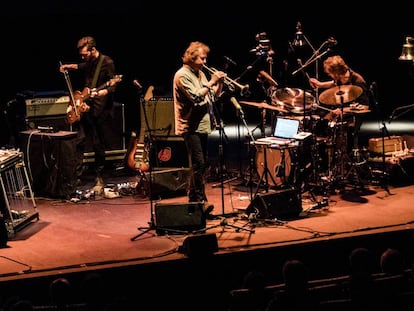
237 105
299 39
268 77
229 60
137 84
331 42
373 91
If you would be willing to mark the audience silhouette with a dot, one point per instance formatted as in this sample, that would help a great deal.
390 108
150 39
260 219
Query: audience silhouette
295 295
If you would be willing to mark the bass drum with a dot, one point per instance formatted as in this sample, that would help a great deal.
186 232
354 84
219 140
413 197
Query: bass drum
274 160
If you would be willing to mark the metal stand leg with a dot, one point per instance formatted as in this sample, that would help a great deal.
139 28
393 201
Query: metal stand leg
265 175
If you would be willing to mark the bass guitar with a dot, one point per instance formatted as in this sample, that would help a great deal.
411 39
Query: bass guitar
136 158
78 105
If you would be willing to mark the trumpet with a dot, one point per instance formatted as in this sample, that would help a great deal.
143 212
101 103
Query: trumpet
231 84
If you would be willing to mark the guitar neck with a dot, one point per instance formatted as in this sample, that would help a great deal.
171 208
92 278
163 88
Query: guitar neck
103 86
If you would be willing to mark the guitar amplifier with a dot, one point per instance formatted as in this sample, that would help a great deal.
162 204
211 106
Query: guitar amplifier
46 106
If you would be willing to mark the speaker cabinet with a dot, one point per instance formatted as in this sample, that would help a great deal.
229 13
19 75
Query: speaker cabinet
169 152
52 160
160 116
166 183
179 217
279 204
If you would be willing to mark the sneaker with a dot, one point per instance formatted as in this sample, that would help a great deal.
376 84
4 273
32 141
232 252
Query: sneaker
110 193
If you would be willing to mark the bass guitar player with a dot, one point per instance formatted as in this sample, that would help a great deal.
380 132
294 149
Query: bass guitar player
95 110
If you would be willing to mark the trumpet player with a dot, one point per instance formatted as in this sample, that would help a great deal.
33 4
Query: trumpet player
194 96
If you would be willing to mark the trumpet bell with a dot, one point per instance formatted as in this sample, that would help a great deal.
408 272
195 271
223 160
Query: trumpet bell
407 50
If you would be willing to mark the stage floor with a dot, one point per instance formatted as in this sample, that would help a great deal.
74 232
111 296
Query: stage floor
102 231
121 236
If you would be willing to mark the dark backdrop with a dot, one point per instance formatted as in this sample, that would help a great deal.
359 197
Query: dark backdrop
146 40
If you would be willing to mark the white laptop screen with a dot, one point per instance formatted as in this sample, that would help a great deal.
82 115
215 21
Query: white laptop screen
286 128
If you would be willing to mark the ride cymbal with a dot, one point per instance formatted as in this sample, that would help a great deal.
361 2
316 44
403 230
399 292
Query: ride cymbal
342 94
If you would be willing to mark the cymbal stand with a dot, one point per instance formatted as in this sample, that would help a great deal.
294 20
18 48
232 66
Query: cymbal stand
304 185
240 113
337 158
347 166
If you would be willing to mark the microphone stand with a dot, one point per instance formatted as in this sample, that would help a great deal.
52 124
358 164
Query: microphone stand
307 185
384 132
240 113
223 221
394 117
151 223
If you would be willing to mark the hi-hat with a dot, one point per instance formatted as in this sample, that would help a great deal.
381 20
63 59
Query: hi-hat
294 100
342 94
264 105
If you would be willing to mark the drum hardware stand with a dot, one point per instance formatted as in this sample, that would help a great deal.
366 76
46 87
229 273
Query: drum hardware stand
281 168
308 187
349 165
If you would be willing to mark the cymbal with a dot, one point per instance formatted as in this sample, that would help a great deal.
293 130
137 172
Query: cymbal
357 110
340 94
264 105
294 99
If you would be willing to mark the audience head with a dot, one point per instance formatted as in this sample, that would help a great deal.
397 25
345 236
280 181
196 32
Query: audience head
295 274
254 280
60 291
361 261
93 289
392 261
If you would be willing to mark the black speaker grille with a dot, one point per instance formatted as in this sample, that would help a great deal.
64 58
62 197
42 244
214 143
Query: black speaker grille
280 204
179 217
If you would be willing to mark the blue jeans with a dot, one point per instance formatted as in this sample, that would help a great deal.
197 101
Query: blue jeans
196 145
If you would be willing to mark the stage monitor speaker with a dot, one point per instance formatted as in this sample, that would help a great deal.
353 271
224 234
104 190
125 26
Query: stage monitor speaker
179 217
279 204
166 183
200 245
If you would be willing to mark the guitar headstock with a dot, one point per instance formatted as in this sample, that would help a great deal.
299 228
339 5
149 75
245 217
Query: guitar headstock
149 93
116 79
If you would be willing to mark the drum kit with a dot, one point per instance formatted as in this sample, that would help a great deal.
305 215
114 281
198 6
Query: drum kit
323 159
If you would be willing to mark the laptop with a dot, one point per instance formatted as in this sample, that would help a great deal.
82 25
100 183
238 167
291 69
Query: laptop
285 131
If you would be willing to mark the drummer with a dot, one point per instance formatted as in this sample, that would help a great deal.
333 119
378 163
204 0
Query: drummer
336 68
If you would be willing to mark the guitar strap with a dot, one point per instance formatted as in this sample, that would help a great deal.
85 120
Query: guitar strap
96 74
